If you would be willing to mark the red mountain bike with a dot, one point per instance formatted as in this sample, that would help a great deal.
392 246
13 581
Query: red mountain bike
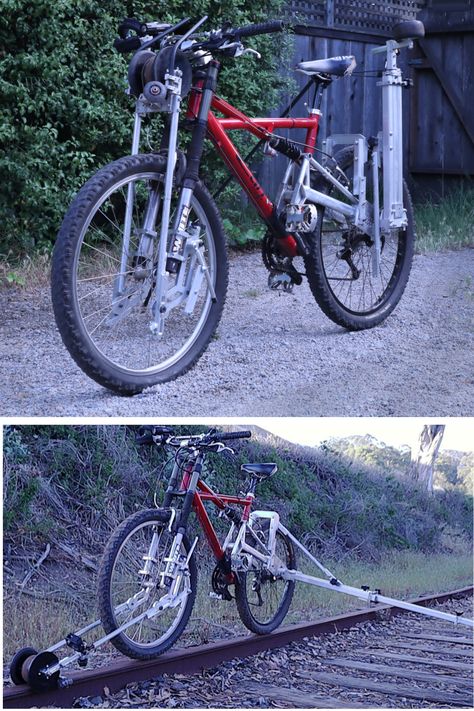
140 268
149 567
147 578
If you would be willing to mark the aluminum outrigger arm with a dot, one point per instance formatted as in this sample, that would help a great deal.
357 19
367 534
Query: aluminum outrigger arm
370 596
41 670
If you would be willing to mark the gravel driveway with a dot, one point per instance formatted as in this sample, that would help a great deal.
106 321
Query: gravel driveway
274 354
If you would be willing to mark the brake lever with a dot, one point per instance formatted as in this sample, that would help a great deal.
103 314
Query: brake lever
221 447
237 49
248 50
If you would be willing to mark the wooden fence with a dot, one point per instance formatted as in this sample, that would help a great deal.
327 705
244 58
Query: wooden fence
437 112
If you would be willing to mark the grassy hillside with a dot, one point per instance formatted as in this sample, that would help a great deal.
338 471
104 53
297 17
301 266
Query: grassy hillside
76 484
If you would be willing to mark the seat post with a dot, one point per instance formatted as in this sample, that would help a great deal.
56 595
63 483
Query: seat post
252 485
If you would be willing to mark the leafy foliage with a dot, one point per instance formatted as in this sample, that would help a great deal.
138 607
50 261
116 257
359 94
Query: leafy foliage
64 111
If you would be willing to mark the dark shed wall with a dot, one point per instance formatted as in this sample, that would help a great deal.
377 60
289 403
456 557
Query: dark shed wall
438 114
442 128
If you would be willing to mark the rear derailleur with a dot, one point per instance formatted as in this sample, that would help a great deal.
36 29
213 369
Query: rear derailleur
283 274
352 241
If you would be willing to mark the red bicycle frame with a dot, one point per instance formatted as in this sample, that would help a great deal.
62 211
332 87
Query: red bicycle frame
262 128
205 493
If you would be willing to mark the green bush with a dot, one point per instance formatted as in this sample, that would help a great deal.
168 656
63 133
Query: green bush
64 111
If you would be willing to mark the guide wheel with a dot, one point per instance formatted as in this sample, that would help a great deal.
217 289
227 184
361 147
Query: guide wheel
17 662
33 671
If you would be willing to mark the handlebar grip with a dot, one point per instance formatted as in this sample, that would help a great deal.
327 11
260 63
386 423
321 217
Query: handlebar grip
129 44
261 28
132 24
234 435
144 435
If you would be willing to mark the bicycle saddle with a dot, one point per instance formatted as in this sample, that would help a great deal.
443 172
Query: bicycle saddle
338 66
260 470
408 29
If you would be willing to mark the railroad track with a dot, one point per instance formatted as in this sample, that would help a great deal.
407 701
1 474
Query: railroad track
425 661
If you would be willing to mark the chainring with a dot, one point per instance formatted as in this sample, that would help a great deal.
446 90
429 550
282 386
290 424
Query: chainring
274 261
219 581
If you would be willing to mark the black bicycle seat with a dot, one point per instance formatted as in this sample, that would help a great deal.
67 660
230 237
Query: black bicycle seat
408 29
260 470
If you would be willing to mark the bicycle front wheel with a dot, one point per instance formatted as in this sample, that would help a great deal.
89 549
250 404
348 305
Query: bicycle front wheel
131 581
264 599
339 265
104 279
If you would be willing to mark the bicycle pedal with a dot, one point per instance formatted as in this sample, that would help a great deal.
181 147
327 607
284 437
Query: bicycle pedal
280 280
215 596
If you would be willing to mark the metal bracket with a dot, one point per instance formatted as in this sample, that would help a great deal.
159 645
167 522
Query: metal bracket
360 155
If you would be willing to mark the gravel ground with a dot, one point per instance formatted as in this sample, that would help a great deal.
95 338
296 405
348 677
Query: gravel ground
275 354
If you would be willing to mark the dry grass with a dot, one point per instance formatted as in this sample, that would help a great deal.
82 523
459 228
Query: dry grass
41 622
447 224
30 273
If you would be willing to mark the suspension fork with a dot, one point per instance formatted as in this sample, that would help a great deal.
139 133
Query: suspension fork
150 557
171 571
191 175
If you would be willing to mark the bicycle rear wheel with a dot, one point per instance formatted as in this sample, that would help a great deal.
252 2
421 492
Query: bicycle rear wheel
104 278
263 599
125 590
339 266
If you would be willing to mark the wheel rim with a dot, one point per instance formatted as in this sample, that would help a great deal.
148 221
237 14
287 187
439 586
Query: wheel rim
125 582
266 594
346 258
126 340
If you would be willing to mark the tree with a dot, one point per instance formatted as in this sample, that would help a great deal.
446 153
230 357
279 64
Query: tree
421 469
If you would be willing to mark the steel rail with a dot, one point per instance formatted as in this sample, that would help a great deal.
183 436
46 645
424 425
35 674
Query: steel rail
193 659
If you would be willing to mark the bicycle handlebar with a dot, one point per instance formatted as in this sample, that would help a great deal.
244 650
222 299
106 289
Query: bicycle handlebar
258 28
147 434
244 434
128 43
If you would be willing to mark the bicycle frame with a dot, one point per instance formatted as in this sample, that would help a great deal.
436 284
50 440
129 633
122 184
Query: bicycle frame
235 542
204 493
295 193
263 129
